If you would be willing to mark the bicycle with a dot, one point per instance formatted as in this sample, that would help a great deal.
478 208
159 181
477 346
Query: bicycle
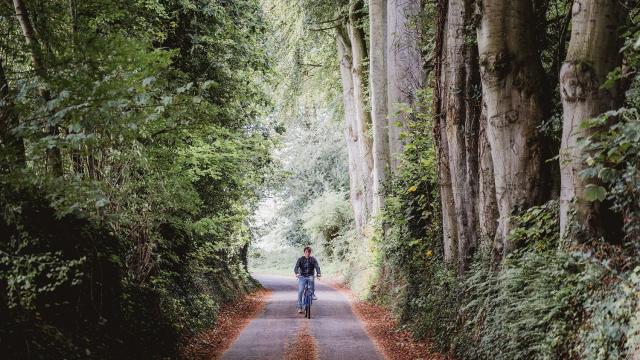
307 299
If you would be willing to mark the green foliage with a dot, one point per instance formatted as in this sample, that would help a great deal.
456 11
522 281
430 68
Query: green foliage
612 149
613 327
537 228
612 330
276 261
302 40
312 167
157 109
613 159
308 100
541 303
412 277
326 218
530 309
31 276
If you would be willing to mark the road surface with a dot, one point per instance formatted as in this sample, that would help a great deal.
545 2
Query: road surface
337 331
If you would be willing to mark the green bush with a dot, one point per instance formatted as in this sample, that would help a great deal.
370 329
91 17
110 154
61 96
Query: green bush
66 292
542 302
612 329
530 309
326 218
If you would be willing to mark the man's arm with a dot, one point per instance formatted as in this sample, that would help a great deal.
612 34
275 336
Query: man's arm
296 269
317 266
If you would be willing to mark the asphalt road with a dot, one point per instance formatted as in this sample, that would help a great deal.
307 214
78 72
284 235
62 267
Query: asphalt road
338 332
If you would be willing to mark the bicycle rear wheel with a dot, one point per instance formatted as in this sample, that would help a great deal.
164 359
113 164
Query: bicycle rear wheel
307 299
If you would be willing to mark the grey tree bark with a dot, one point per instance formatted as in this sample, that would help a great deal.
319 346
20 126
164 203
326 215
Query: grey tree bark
512 79
405 74
54 156
487 204
357 186
362 114
593 52
461 113
447 203
449 219
379 111
351 55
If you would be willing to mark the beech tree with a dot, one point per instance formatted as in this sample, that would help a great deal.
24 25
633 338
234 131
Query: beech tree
460 113
379 105
468 197
405 74
593 53
351 49
512 79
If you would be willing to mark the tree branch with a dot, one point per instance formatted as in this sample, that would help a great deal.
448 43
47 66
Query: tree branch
327 21
327 28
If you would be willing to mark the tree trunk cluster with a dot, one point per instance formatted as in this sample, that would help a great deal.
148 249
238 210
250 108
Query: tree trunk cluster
490 106
373 125
490 103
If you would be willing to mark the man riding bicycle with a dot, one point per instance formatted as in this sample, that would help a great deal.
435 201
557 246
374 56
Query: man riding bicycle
304 269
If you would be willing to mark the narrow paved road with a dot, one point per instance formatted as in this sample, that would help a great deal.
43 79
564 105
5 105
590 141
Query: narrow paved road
338 333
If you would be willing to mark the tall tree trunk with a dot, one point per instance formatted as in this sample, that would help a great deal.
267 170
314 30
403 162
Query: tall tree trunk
54 157
10 144
362 116
593 52
487 204
357 192
449 219
512 79
447 203
351 46
461 114
378 79
405 72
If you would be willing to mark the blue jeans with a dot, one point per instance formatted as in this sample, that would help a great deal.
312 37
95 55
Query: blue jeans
302 281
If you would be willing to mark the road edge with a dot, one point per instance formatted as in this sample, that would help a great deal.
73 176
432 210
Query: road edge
343 289
390 350
232 319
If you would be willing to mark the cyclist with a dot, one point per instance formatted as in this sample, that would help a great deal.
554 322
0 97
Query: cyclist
304 269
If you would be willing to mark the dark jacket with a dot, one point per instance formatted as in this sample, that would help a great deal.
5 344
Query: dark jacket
306 266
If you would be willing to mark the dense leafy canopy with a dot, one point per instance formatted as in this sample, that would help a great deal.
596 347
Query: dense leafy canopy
157 109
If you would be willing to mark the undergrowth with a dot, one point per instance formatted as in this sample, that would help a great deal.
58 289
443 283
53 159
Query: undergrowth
543 302
547 299
66 292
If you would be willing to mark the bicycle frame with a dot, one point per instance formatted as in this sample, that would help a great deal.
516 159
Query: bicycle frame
307 299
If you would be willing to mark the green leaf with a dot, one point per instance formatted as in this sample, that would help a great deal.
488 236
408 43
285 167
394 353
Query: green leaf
207 84
147 81
166 100
182 89
594 192
75 127
101 202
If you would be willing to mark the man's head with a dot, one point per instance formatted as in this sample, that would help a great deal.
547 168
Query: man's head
307 251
